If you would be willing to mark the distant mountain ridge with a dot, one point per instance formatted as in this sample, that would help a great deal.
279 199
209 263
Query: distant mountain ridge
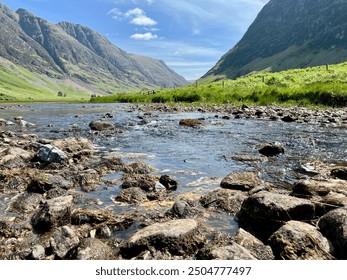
73 51
289 34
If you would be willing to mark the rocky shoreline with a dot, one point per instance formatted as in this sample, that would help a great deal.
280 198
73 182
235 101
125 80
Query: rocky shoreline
46 213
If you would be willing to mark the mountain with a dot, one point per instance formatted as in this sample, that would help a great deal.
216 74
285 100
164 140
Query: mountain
289 34
73 52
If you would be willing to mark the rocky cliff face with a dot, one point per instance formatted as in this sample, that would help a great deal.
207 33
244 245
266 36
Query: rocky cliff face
70 50
289 34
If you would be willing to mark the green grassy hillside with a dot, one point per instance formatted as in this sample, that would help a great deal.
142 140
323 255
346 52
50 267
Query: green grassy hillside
20 85
314 86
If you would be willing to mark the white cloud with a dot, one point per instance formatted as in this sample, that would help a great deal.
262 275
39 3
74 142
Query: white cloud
134 13
136 16
146 36
143 20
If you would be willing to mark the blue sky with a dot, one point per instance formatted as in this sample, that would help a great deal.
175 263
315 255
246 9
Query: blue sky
190 36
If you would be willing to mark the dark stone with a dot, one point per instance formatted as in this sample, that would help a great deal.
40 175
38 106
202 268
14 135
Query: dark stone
271 150
289 119
169 183
132 196
45 182
264 212
50 154
340 173
333 225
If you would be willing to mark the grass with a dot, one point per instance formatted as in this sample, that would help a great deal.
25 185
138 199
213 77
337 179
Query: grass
20 85
314 86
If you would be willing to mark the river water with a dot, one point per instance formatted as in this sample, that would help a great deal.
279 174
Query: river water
198 158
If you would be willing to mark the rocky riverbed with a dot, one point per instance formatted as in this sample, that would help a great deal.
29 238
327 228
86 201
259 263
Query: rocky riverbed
49 205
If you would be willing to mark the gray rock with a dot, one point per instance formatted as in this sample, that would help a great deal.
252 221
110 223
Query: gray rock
340 173
50 154
333 225
224 199
264 212
45 182
243 181
183 209
300 241
101 125
38 252
145 182
24 203
231 252
179 237
63 240
54 213
132 196
257 248
93 249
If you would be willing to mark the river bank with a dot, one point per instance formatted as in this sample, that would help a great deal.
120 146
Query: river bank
50 186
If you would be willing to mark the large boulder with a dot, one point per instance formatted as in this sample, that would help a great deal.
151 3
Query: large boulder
53 213
265 212
224 200
243 181
300 241
334 226
14 157
178 237
50 154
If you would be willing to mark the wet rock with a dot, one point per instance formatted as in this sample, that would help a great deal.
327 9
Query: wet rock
300 241
191 123
169 183
289 118
340 173
224 200
178 237
145 182
63 240
53 213
253 245
93 249
264 212
50 154
131 196
271 149
183 208
244 181
333 225
103 232
138 168
101 125
44 182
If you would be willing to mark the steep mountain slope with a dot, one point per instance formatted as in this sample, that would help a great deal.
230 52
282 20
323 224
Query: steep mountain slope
289 34
67 51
